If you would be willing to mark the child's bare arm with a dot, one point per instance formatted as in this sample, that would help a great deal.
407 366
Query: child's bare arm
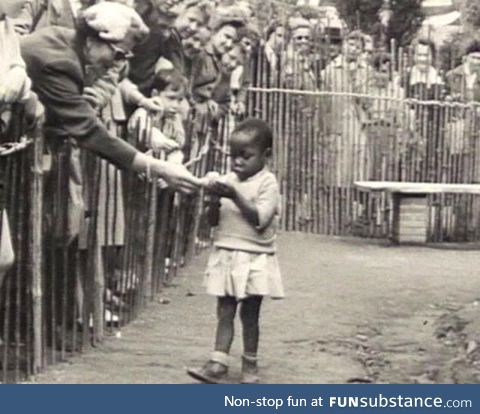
247 207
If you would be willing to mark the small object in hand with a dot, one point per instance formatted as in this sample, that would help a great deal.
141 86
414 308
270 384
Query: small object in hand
209 178
214 211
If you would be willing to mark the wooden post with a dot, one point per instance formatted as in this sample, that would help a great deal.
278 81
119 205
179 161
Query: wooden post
410 214
36 260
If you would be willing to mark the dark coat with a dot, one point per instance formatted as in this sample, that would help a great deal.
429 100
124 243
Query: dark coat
147 54
55 67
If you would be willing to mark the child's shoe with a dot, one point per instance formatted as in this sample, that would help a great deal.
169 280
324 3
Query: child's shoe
211 373
214 371
249 370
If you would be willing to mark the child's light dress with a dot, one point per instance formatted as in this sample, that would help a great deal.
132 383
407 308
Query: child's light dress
243 261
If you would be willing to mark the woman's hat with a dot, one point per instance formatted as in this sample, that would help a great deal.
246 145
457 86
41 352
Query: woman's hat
116 23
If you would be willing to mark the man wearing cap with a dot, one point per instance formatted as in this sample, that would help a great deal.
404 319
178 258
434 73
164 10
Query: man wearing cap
56 59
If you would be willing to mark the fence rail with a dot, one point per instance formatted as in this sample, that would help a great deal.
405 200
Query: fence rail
85 246
336 121
321 147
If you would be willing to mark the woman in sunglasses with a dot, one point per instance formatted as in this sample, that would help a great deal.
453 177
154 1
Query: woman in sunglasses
57 60
298 59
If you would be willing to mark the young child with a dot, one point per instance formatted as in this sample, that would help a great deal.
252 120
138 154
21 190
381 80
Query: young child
164 130
243 267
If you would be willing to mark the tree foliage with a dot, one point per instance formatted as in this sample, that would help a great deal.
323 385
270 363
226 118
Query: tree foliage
360 14
471 13
407 17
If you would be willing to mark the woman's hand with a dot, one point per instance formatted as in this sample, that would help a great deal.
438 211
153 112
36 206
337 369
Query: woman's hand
151 104
176 176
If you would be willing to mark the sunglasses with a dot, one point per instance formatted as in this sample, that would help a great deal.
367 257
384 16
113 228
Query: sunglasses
119 53
307 38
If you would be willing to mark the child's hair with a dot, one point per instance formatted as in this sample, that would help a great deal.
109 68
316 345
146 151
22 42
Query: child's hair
258 129
356 35
426 42
170 78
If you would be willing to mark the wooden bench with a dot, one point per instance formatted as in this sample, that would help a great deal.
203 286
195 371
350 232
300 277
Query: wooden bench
410 208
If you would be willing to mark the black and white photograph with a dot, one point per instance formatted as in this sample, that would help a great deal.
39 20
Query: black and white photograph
240 192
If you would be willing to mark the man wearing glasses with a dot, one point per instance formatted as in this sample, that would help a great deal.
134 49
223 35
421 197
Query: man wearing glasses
56 59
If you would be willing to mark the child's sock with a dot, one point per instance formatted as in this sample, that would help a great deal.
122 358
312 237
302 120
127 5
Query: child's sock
250 369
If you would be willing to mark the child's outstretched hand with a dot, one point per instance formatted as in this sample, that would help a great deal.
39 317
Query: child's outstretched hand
218 185
222 188
209 178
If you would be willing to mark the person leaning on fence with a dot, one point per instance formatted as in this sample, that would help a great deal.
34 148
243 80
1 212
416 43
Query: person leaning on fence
14 88
56 58
224 26
298 59
386 122
272 53
163 131
423 82
240 79
463 85
243 267
162 41
461 133
343 114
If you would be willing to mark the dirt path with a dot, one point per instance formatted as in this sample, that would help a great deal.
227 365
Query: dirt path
356 311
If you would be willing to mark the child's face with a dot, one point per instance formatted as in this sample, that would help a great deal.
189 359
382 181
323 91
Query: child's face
204 92
301 39
231 60
172 101
248 156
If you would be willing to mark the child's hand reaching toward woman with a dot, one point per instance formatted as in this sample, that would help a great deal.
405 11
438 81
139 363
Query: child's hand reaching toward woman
222 188
218 185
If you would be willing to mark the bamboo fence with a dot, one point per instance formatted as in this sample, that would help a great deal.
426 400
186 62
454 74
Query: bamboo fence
94 245
356 124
